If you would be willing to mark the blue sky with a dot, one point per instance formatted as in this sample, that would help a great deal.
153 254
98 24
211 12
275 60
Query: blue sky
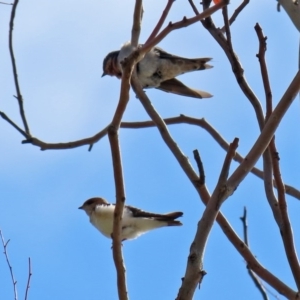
59 48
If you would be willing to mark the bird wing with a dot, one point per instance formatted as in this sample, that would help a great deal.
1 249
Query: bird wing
138 213
166 55
177 87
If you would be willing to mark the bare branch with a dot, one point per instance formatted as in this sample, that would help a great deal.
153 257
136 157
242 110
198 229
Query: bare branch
184 23
13 124
161 21
29 277
267 160
285 227
13 61
127 66
195 258
200 167
253 276
237 12
227 26
218 138
235 64
14 282
120 200
137 20
263 67
266 135
205 196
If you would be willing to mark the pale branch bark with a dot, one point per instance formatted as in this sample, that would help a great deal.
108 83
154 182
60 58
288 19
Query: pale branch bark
235 64
161 21
137 21
205 196
14 282
14 66
292 8
252 275
195 259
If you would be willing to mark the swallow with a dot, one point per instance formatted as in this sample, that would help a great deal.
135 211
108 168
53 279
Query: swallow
134 223
158 69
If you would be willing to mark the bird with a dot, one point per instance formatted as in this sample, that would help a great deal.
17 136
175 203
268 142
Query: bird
134 222
158 69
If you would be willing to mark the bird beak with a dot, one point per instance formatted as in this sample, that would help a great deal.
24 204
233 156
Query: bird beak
80 207
104 74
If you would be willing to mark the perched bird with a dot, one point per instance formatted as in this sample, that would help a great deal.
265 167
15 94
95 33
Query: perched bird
158 69
134 221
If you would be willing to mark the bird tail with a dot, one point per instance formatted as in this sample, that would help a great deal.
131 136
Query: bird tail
170 218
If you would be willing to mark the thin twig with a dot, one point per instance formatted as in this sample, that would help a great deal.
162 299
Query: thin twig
253 276
263 67
161 21
236 13
14 282
14 66
227 26
285 228
29 277
200 167
184 23
267 160
195 258
235 65
6 3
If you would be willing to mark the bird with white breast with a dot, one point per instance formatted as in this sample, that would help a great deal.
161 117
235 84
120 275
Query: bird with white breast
134 222
158 69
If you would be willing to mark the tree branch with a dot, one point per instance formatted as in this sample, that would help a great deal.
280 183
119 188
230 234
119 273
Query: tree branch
14 282
161 21
217 137
236 13
29 277
252 275
195 259
127 66
205 196
137 20
184 23
235 64
13 61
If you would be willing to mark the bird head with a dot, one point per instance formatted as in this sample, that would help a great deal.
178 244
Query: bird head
89 205
111 66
